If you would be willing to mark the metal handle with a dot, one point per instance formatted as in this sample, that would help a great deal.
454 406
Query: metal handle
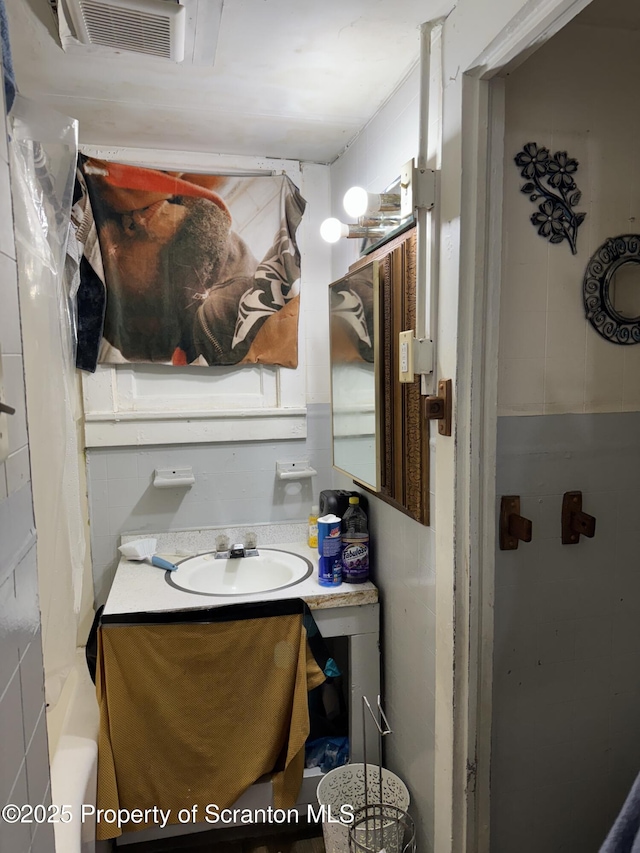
7 410
382 731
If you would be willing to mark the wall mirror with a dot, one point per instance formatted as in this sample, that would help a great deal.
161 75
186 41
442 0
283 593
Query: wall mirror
611 289
355 366
380 430
624 291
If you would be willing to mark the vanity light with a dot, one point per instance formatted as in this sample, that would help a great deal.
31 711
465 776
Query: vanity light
358 202
332 230
382 215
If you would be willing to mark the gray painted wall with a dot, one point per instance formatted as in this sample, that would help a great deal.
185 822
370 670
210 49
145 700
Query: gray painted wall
235 484
566 739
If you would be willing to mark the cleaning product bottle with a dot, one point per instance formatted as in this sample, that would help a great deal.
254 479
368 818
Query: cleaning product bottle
355 543
330 550
312 539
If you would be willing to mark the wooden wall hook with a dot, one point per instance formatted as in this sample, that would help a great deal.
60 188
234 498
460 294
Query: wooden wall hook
439 408
575 523
514 528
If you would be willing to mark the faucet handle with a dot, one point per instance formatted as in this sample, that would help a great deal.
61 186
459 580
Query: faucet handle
251 541
222 543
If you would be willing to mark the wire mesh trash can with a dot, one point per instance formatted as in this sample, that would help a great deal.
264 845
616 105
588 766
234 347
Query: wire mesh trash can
380 828
345 786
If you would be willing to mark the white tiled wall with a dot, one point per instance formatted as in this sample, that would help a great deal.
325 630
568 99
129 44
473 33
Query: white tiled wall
551 359
403 564
24 768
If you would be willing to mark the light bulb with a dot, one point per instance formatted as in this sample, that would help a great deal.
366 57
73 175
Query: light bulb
332 230
356 202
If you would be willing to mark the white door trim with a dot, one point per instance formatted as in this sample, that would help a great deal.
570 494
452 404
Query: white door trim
476 416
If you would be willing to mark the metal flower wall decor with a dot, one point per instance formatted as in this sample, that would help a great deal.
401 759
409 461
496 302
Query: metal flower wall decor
550 179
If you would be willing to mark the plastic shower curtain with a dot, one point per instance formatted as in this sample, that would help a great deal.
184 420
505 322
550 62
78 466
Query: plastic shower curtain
43 151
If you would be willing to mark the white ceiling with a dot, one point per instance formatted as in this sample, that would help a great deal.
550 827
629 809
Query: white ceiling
292 78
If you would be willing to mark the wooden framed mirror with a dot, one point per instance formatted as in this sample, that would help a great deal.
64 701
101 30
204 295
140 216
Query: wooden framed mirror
354 321
402 429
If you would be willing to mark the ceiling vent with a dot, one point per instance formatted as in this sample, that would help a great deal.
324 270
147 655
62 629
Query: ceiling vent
149 27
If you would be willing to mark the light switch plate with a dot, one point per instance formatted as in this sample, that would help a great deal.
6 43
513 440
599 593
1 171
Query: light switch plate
405 360
4 421
406 190
417 189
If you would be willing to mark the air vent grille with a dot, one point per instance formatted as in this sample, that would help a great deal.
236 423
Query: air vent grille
150 27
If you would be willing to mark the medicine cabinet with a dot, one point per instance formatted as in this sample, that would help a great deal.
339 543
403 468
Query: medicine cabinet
380 431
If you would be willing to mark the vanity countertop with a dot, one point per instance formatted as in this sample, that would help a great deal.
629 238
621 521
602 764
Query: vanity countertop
141 588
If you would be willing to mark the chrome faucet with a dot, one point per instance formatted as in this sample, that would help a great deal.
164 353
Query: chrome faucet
224 551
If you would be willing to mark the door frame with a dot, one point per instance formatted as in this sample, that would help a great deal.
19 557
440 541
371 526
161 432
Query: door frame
464 825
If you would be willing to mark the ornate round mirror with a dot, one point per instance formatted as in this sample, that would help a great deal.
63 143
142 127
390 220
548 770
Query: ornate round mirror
612 289
624 291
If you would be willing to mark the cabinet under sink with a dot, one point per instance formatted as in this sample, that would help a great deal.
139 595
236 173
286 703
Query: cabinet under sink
346 616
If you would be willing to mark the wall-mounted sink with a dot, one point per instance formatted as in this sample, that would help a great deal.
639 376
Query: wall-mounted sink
270 570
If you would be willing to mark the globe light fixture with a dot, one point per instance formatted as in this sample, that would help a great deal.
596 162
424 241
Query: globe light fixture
356 202
332 230
377 215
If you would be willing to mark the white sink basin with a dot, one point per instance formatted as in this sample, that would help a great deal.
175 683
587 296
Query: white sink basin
270 570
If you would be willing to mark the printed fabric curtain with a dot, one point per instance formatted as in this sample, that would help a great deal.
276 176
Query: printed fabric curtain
181 268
